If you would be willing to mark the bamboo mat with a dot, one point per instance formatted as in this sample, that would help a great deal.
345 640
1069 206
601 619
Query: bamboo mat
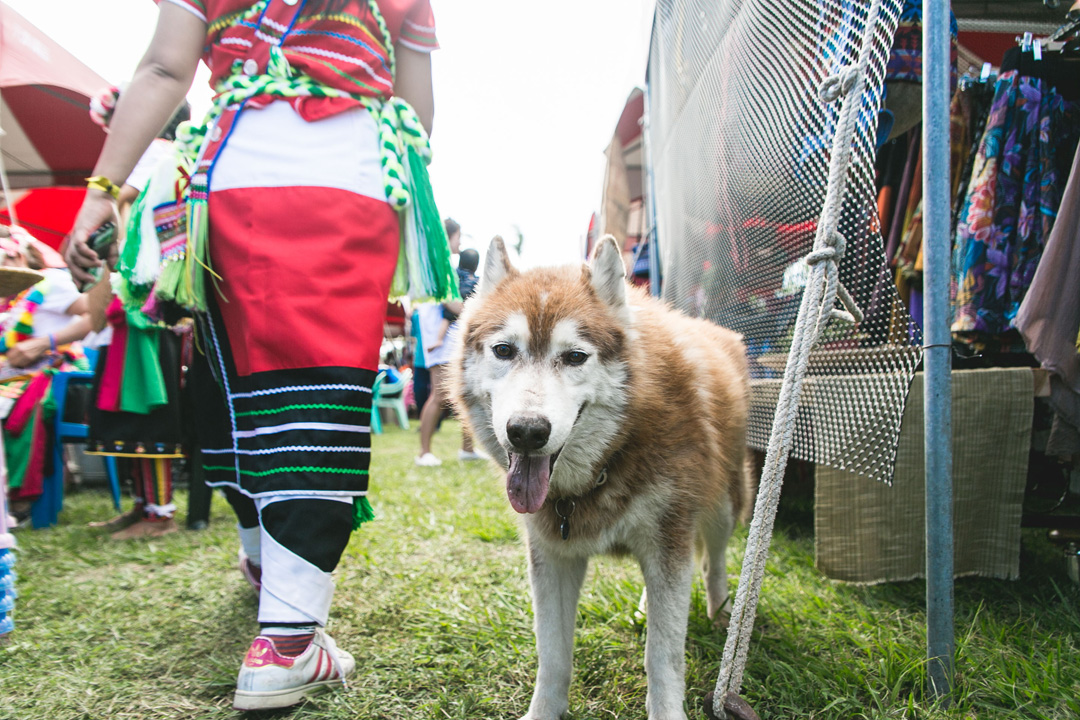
868 532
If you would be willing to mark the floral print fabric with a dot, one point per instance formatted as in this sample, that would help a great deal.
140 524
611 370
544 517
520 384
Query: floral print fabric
1012 200
905 55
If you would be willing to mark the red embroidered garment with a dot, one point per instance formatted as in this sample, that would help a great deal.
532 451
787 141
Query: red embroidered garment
343 50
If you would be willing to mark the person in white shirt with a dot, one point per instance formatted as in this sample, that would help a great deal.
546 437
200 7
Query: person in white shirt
37 329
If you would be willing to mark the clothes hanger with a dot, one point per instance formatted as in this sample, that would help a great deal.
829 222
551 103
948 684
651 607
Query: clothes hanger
1068 35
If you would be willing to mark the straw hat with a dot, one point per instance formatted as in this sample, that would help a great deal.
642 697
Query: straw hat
14 280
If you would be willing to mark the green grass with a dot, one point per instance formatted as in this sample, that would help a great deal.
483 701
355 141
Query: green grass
432 598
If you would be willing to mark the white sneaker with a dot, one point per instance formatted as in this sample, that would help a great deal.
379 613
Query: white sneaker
470 455
428 460
269 680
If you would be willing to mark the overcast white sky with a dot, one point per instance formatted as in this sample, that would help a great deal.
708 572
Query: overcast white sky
527 96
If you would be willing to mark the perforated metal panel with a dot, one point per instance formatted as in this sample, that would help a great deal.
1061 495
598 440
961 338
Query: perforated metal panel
739 144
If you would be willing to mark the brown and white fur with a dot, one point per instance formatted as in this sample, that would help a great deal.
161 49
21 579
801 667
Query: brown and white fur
563 373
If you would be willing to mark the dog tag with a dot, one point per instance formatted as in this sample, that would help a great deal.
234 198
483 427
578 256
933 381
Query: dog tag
564 526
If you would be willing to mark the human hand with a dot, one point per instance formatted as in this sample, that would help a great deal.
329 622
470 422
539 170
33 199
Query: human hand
97 209
28 352
435 346
102 106
113 258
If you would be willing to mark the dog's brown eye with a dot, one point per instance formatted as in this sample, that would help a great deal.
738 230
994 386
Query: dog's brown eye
503 350
576 357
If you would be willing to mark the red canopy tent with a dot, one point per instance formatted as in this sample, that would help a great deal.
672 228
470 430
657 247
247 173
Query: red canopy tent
47 213
48 138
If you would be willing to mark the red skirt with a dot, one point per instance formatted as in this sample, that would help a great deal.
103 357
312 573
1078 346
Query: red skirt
305 245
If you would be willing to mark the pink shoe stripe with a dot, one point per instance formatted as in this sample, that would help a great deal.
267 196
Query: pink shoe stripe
262 652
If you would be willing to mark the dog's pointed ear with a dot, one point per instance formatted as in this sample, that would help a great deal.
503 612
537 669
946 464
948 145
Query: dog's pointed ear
608 273
497 266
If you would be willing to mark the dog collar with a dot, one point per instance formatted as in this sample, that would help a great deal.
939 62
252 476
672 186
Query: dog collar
564 506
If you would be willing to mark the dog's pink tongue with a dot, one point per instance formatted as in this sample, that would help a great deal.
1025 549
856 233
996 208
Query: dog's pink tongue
527 481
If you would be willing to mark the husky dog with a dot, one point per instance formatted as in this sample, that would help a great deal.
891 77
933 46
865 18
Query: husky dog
621 426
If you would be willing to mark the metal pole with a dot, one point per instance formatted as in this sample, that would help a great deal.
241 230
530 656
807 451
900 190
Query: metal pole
650 196
4 187
937 393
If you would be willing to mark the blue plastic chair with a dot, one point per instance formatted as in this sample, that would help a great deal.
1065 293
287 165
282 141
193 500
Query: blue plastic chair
46 509
391 396
376 422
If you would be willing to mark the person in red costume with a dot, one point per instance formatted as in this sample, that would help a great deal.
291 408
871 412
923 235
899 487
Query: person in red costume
302 234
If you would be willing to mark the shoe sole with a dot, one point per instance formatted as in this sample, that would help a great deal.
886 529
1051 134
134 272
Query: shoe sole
248 700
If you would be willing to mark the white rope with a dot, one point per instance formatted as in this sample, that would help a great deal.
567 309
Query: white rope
822 290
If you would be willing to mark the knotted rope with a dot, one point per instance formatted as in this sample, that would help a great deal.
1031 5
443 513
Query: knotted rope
818 306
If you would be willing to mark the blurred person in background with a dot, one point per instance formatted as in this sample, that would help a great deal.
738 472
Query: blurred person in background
40 329
135 412
438 331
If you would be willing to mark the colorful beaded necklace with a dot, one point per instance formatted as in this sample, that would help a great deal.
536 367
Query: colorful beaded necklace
19 325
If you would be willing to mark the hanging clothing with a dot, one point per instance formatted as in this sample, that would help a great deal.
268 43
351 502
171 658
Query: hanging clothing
900 206
909 257
889 171
905 55
1049 317
967 122
1012 198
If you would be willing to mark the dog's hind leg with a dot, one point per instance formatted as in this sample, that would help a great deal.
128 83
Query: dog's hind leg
668 576
556 585
714 531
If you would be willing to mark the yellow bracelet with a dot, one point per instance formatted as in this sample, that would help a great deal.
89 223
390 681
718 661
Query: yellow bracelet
100 182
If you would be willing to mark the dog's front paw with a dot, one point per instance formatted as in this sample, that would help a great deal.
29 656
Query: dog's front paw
546 713
669 714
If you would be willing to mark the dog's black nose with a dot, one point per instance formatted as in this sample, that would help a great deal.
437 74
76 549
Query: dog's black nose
528 432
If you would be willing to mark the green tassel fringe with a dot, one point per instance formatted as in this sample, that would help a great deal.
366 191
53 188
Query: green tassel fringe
440 279
170 282
197 260
362 511
129 253
399 286
132 294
